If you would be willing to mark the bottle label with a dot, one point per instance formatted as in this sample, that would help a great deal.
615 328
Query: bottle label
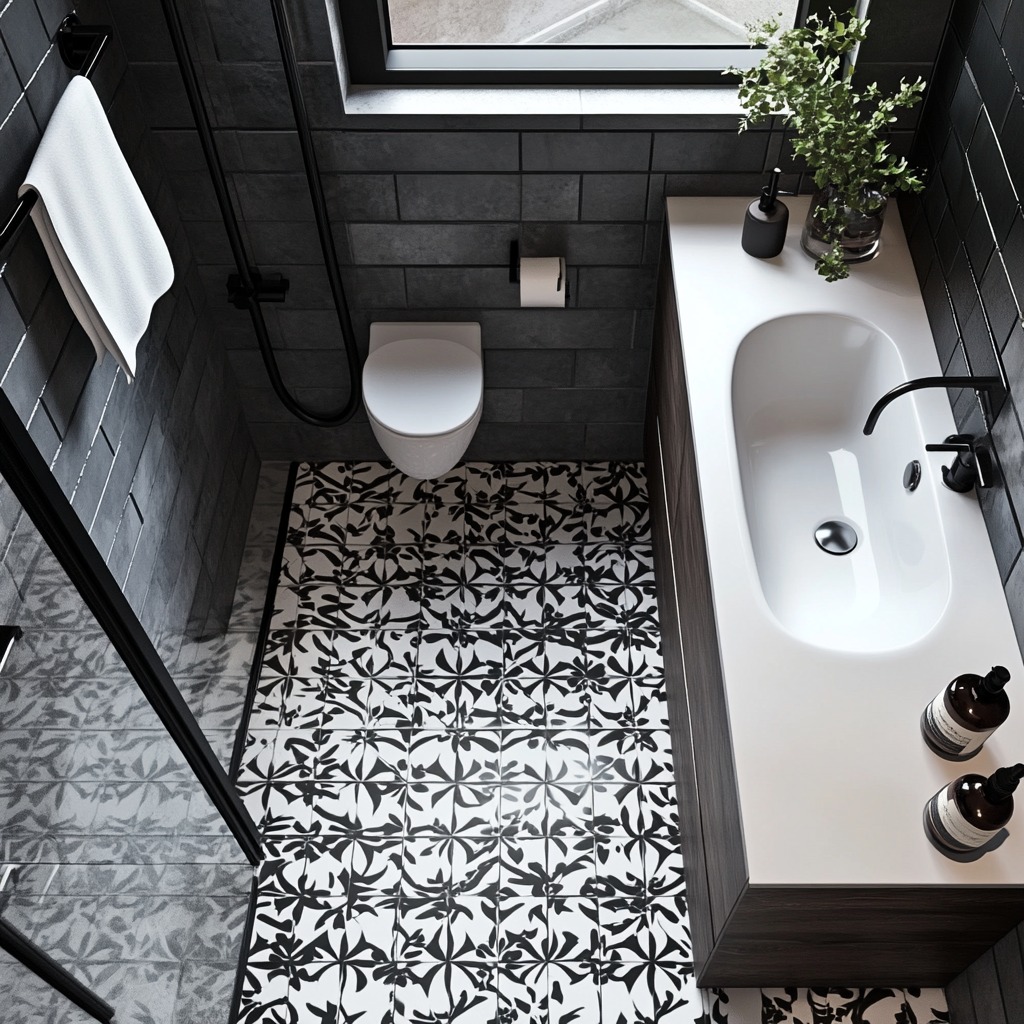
948 734
950 827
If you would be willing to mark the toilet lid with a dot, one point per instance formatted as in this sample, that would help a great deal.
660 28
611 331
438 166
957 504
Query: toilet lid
422 386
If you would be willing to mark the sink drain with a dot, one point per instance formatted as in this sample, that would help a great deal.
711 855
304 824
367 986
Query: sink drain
836 537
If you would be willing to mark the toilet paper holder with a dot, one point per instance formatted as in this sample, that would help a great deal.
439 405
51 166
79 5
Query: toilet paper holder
513 269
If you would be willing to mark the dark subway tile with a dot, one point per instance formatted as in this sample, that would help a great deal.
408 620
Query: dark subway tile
1003 531
529 368
419 151
248 95
997 297
164 99
267 150
67 381
26 37
1009 445
47 87
431 244
503 405
591 244
53 12
614 441
468 287
487 197
274 243
990 69
979 344
273 197
962 18
586 151
992 178
375 287
980 239
963 291
564 329
550 196
360 196
12 328
965 108
1013 256
940 314
724 183
617 197
899 33
242 33
603 368
89 488
584 405
617 287
515 441
19 138
1011 141
689 152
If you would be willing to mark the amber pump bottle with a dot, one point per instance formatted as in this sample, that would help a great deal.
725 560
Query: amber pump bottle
969 811
957 722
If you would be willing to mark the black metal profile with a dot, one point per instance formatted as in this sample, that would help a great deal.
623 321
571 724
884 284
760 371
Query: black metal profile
265 620
80 47
249 291
41 964
34 486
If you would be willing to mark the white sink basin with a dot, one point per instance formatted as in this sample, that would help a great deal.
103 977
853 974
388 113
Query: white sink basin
801 390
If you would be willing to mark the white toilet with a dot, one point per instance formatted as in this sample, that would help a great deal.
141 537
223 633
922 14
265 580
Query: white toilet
423 388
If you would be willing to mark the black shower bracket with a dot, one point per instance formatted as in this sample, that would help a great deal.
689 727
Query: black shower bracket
265 288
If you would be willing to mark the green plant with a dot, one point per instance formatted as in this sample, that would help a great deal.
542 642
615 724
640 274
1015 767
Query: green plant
804 76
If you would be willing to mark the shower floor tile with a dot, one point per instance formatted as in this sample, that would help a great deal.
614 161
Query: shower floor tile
459 754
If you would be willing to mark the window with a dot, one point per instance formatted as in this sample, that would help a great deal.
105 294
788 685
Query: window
552 42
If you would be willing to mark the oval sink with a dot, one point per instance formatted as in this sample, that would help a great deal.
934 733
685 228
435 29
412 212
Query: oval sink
802 386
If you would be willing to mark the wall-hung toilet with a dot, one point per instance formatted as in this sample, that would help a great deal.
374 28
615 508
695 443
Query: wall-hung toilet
423 388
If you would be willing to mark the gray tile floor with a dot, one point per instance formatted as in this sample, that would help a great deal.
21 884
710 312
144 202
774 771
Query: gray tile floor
459 759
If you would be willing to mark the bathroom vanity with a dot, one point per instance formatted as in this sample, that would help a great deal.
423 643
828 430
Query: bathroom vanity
796 678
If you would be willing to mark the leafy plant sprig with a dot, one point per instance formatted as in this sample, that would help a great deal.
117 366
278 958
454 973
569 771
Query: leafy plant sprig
805 78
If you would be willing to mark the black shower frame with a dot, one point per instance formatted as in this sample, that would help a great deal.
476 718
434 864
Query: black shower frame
35 487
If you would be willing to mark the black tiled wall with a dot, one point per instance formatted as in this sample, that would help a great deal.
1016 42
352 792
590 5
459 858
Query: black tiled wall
161 471
966 232
423 209
967 235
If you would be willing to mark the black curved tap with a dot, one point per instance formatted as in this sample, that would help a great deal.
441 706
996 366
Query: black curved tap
987 384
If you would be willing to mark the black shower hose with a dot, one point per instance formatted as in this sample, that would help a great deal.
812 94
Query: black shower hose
245 271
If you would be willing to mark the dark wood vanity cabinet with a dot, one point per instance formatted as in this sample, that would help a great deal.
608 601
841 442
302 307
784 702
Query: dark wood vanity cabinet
747 934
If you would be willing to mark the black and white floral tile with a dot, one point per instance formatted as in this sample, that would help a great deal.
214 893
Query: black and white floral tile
459 758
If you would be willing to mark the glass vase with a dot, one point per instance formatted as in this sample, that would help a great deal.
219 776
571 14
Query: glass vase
861 225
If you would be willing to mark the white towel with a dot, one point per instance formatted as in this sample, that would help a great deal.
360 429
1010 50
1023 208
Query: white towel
105 247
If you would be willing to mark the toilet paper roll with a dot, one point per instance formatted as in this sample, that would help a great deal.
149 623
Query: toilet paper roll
542 281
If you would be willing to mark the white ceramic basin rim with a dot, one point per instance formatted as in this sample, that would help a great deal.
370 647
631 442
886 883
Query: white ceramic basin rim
802 387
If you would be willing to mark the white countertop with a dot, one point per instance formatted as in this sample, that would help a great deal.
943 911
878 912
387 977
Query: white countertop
832 772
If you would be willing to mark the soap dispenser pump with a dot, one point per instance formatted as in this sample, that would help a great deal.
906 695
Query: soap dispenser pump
766 220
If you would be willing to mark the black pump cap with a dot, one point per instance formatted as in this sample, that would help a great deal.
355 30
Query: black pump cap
996 679
770 192
1002 782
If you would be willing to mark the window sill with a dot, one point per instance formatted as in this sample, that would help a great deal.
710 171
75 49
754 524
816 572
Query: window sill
683 102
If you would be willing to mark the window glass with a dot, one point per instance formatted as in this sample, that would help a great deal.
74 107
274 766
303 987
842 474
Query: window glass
579 22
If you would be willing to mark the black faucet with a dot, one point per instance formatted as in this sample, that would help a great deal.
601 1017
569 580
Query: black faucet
986 384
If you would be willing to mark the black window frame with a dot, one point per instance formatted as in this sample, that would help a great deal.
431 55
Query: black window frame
373 60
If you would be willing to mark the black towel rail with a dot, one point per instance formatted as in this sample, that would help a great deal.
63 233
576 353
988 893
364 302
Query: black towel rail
80 47
248 288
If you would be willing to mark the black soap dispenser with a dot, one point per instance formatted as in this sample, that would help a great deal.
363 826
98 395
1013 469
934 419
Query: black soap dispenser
765 223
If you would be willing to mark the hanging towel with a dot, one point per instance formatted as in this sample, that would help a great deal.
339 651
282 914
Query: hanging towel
106 249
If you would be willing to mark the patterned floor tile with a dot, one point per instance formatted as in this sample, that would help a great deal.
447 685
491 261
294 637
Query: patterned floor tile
460 758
